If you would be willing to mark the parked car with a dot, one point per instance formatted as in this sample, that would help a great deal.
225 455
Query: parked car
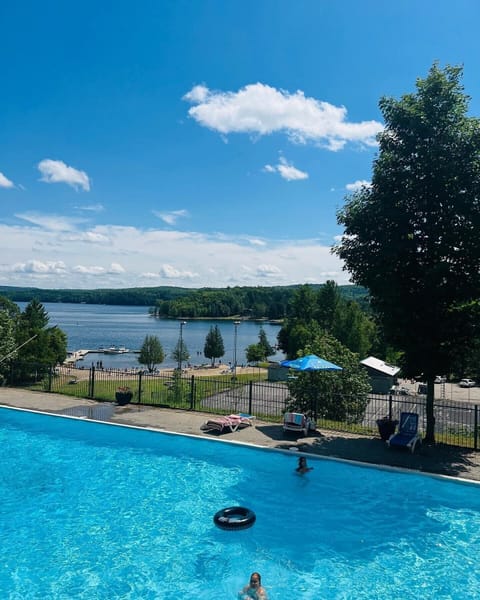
466 383
402 390
440 379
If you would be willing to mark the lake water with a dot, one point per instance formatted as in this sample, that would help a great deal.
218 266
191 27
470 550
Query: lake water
91 326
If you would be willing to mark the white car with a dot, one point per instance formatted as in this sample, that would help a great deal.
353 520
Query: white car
466 383
440 379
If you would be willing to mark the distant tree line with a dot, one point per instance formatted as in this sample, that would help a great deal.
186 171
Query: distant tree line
175 302
246 302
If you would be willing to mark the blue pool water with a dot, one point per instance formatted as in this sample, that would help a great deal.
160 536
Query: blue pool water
95 511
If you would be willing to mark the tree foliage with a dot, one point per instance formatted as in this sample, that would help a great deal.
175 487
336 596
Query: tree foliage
411 238
214 347
261 350
151 353
180 352
312 312
36 341
333 395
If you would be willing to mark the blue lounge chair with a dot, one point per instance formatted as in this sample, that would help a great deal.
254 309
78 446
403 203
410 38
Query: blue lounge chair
407 436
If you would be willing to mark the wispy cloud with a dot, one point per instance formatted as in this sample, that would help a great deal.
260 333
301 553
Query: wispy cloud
287 170
91 208
51 222
171 217
56 171
4 182
260 109
357 185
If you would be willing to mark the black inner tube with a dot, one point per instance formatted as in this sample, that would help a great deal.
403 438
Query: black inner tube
234 517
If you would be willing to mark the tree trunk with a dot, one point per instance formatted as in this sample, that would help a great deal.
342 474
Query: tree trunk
430 433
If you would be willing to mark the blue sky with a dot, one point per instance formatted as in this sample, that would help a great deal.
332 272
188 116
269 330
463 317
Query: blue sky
200 143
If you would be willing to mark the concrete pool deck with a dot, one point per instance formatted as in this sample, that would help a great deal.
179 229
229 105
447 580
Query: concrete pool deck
440 459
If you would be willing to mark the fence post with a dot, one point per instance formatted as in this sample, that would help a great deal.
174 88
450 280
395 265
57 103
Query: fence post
475 429
250 396
50 377
192 392
140 386
390 402
91 378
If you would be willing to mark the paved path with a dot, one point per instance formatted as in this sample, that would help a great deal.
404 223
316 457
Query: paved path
440 459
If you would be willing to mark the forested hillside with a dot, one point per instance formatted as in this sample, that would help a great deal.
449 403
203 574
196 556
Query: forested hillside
174 302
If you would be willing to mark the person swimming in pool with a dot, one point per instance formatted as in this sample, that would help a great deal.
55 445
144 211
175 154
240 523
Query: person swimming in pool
302 466
253 589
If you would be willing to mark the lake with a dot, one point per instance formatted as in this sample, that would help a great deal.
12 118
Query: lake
91 326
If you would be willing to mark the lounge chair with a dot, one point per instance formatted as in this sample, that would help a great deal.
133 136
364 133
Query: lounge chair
407 436
297 422
229 423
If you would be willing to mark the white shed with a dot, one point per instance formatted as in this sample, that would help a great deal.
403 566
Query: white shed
382 375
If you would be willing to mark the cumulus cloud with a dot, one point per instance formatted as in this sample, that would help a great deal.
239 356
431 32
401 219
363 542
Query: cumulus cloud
357 185
170 272
37 266
260 109
287 170
56 171
171 217
125 256
5 183
116 268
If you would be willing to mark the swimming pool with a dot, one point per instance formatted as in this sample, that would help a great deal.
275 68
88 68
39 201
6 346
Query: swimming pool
90 510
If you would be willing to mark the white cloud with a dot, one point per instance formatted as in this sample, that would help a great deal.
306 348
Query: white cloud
171 217
170 272
260 109
116 268
37 266
52 222
92 208
357 185
113 256
287 170
56 171
5 183
268 271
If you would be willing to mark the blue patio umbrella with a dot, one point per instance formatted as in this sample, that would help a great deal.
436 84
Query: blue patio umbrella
310 362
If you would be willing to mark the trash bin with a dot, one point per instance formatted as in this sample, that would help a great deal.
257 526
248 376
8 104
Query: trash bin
386 427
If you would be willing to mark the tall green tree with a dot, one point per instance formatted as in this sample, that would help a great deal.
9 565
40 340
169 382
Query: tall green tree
412 237
7 341
261 350
180 352
151 353
36 341
214 347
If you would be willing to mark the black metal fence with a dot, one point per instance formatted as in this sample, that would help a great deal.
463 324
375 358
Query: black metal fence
456 423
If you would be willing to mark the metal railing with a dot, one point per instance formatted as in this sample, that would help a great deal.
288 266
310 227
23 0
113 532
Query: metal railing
456 423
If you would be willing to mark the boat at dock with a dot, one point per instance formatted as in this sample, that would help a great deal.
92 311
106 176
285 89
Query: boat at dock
115 350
